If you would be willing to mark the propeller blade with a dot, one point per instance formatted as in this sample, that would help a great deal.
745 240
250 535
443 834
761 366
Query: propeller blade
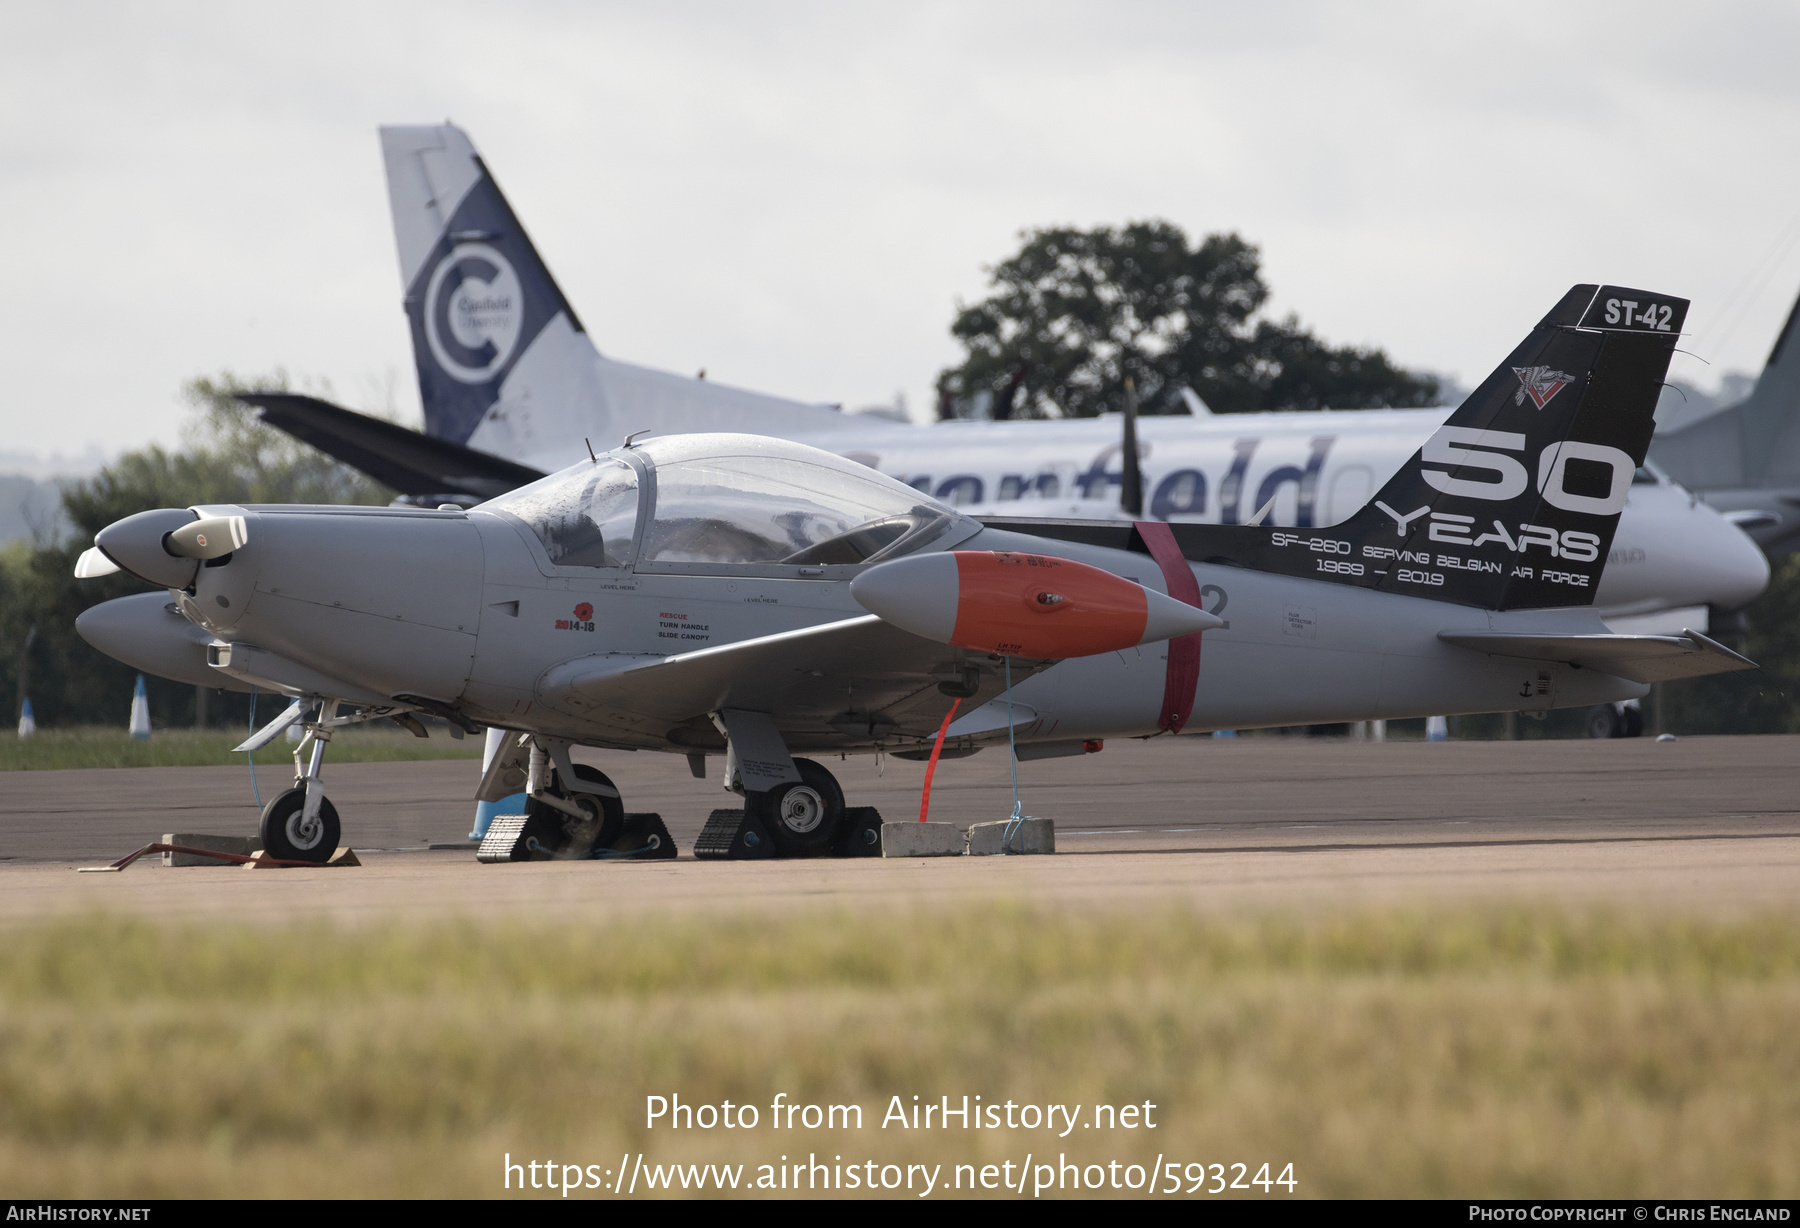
93 564
211 538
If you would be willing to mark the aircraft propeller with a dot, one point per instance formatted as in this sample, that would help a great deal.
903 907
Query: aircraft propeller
211 537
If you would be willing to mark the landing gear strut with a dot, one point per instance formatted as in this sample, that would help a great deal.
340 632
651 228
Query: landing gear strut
571 809
301 824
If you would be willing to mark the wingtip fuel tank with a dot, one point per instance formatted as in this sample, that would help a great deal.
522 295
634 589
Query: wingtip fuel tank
1025 605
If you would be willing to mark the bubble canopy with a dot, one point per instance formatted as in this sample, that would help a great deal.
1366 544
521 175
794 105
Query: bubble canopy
718 499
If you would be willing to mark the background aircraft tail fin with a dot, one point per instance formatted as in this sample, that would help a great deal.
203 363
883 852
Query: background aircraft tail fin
477 294
1753 443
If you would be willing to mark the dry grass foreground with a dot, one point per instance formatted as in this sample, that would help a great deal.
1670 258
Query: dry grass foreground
1475 1052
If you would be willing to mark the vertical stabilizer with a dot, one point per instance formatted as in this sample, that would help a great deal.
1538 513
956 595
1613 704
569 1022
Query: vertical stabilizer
1512 503
504 364
478 296
1755 443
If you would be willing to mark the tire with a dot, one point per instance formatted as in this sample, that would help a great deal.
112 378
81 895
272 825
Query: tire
802 817
1633 721
574 837
283 837
1603 721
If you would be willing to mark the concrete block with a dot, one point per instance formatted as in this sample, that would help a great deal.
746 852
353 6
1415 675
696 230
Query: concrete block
1030 836
243 846
921 840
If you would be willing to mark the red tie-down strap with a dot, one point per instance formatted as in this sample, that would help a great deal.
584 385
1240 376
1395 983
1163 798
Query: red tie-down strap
1184 651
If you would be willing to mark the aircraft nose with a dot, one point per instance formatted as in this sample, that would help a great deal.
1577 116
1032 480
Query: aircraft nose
136 544
1740 570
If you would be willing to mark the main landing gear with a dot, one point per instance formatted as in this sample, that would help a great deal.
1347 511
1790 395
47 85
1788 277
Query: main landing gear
803 817
1624 720
792 807
570 809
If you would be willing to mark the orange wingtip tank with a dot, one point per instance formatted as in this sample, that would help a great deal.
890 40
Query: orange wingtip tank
1032 605
1022 605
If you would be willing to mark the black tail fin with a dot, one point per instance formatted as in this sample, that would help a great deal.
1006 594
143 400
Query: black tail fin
1512 503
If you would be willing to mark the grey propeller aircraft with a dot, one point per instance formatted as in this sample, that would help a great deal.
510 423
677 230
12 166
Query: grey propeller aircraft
760 599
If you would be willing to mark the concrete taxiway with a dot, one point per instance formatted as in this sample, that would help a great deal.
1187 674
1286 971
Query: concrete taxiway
1706 823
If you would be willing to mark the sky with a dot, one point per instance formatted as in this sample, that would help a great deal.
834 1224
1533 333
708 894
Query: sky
796 197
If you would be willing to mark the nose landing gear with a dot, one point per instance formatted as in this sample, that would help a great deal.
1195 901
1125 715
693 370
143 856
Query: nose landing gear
301 824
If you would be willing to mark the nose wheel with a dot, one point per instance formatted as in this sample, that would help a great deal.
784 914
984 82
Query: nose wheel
290 835
302 824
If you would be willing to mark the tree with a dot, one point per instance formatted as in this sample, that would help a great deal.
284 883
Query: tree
228 457
1076 312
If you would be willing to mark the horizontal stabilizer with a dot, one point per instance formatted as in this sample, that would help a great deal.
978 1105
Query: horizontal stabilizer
409 462
1641 658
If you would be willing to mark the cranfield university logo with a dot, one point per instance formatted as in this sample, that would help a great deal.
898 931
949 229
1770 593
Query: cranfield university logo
473 312
1540 384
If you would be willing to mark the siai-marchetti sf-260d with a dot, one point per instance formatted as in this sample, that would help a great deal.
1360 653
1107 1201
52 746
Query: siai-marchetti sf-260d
762 599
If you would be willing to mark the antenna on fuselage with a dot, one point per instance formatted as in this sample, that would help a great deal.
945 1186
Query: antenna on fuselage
634 435
590 444
1131 477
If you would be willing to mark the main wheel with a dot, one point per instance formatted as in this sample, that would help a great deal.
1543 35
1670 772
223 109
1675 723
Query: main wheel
802 816
288 837
1603 721
1632 721
601 826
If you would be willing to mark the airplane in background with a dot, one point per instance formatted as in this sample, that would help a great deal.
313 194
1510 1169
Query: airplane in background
513 387
1744 459
733 594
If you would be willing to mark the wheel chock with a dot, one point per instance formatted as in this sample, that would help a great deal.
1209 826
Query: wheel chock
733 835
921 840
861 833
1008 837
260 860
243 846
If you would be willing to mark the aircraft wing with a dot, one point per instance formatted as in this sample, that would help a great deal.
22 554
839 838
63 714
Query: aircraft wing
840 684
1641 658
407 461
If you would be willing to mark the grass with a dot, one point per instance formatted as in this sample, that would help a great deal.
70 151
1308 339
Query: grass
1445 1054
95 746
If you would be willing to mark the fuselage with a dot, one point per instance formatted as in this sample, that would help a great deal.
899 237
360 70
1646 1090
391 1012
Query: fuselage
466 609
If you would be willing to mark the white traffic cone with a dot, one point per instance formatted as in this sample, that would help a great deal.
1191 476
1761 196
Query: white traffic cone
140 711
27 722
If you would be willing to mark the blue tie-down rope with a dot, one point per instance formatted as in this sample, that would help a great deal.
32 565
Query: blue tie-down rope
251 755
1016 824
